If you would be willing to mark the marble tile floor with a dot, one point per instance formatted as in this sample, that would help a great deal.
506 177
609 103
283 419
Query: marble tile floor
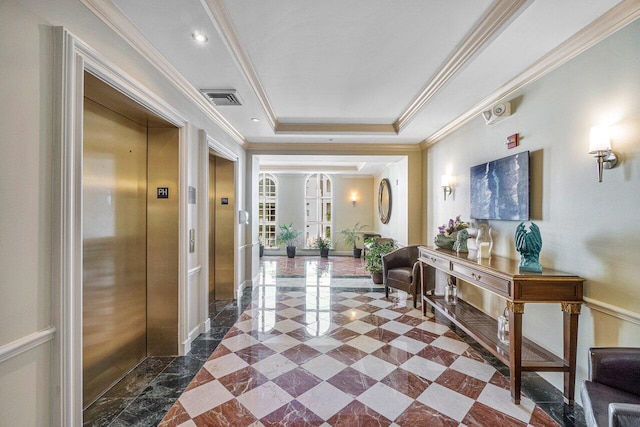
338 356
143 396
310 367
339 266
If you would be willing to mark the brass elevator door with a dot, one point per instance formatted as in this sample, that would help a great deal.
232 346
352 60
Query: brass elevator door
114 247
222 213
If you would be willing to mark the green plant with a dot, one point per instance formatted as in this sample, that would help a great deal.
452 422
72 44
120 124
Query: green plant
377 248
351 236
287 234
321 243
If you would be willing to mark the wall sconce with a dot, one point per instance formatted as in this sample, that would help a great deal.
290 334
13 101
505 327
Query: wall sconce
353 199
600 145
446 186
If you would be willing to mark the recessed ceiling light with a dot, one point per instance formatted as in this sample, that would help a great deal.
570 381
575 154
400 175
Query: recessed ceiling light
255 119
200 37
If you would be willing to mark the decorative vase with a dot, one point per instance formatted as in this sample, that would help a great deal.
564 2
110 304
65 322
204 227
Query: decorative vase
357 252
503 327
445 242
529 243
484 241
451 293
324 252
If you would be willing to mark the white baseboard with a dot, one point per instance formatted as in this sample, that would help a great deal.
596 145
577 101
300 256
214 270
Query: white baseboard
205 326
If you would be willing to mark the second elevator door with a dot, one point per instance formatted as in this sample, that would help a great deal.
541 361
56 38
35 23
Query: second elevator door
221 228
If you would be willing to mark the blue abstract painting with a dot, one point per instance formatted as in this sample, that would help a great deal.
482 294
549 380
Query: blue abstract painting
500 189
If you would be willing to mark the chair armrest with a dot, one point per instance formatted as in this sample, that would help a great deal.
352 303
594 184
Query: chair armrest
624 415
617 367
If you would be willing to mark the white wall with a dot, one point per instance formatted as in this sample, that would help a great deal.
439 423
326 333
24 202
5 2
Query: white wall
26 117
588 228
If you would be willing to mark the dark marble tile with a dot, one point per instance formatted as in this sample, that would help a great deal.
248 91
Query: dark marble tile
104 410
184 365
565 415
539 390
167 385
203 347
144 412
215 333
138 379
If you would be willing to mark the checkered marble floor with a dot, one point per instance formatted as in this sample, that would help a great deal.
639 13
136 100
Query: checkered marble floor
320 356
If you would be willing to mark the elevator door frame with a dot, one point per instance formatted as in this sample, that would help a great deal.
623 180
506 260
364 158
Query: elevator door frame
208 145
71 59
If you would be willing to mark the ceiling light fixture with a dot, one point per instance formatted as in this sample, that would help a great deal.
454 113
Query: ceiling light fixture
200 37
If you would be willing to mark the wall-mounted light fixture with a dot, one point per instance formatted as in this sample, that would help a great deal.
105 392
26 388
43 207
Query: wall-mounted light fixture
354 198
600 145
446 186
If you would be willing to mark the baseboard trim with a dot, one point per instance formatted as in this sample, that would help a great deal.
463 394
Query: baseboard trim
19 346
612 310
205 326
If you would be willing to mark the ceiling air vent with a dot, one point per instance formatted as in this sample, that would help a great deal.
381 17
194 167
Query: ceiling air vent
219 97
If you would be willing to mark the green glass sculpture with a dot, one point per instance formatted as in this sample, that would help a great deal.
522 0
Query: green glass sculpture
461 241
529 244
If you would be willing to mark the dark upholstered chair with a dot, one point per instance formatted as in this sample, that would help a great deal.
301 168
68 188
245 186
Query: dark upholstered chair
611 396
401 270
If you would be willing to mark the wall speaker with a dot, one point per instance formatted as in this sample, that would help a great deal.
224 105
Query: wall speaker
497 112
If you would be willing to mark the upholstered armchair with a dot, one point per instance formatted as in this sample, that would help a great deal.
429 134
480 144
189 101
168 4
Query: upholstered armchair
400 270
611 396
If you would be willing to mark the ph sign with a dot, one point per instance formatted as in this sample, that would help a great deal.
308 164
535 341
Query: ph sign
163 192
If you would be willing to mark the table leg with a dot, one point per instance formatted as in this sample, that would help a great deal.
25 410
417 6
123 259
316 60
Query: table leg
516 310
570 313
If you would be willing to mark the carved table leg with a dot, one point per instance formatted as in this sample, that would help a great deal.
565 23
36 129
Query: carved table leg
570 313
515 310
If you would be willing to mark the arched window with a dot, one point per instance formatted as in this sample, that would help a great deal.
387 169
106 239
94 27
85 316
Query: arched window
318 200
267 193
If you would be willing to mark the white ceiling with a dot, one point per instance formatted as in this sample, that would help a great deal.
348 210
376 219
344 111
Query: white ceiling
337 165
357 71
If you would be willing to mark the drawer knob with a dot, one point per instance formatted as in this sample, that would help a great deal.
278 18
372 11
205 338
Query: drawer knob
433 259
476 276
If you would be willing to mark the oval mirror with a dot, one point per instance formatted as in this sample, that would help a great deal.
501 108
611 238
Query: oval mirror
384 200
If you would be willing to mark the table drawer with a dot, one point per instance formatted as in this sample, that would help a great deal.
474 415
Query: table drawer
487 281
436 261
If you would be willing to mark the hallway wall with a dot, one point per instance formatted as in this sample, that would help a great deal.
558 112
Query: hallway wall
588 228
28 392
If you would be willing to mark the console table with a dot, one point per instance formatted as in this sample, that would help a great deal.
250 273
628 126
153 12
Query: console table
502 277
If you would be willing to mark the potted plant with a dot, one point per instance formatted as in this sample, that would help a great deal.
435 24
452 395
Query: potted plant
351 236
376 249
323 245
288 235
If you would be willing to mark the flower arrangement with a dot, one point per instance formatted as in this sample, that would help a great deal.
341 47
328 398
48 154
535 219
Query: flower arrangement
447 233
453 226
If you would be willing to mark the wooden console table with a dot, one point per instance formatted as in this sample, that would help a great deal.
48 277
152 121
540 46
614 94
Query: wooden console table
502 277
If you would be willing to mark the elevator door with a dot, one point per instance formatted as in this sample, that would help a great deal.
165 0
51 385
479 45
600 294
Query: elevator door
221 228
114 247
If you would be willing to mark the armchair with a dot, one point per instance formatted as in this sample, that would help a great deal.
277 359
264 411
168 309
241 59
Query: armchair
401 270
611 396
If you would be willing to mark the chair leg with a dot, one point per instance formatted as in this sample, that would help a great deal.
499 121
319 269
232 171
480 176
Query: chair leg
386 291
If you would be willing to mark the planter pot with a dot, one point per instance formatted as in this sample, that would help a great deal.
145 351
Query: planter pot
261 251
357 252
377 278
291 251
324 253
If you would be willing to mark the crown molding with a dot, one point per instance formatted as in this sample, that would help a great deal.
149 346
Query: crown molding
222 21
332 148
492 21
113 17
616 18
334 128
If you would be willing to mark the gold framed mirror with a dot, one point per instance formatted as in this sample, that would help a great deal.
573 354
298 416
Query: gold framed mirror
384 200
